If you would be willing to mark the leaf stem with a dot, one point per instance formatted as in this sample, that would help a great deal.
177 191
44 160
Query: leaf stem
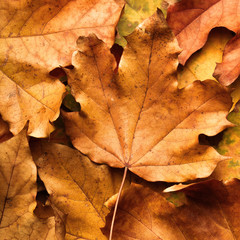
116 204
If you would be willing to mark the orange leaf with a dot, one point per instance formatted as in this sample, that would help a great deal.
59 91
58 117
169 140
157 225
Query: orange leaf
35 37
138 118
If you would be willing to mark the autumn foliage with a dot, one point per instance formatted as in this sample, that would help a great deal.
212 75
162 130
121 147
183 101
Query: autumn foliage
73 116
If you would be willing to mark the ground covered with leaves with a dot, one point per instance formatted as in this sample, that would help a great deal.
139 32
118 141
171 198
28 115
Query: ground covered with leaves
91 91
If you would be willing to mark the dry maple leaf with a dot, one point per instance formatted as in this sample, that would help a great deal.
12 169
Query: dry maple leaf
35 37
18 190
191 22
77 187
138 118
204 211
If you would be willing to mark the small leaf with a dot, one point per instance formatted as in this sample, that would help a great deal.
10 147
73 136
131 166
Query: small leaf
201 65
134 13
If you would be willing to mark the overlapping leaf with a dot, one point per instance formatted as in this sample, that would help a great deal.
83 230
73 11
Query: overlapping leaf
17 193
229 70
201 65
77 187
135 12
229 146
208 210
138 118
192 21
35 37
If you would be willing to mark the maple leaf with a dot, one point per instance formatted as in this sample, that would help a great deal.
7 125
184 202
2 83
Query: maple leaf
191 21
138 118
208 210
35 37
17 193
77 187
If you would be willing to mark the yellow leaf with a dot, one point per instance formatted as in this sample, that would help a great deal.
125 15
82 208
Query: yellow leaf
77 187
201 65
18 175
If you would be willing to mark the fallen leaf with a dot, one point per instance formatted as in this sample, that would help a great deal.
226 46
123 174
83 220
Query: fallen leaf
191 22
35 37
209 210
134 13
138 118
77 187
229 70
201 65
18 190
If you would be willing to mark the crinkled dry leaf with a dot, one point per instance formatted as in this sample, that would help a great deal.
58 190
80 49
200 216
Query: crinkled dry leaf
77 187
138 118
192 20
201 65
229 70
35 37
209 210
18 190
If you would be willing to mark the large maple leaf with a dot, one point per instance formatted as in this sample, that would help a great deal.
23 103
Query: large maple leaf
35 37
192 21
138 118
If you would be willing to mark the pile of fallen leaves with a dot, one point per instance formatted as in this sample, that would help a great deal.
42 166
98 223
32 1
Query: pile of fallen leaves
89 88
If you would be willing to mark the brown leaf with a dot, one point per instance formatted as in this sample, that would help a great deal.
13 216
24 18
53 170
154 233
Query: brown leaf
17 194
191 22
77 187
205 211
138 118
35 37
229 70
